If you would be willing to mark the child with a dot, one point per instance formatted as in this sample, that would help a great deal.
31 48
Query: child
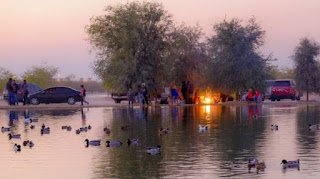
131 96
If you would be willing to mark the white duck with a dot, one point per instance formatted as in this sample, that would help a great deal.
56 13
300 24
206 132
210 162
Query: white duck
92 142
203 128
5 129
290 164
313 127
115 143
154 150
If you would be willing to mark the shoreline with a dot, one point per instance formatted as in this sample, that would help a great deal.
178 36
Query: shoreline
107 105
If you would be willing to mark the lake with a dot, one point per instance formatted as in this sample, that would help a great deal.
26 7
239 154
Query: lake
235 134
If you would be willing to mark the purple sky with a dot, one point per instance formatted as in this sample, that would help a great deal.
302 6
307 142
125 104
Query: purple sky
37 31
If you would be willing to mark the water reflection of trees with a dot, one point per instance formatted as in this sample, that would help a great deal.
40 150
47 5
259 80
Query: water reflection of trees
229 138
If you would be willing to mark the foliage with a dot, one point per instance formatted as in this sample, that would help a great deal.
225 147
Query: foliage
187 56
307 71
5 74
236 63
131 42
41 75
284 73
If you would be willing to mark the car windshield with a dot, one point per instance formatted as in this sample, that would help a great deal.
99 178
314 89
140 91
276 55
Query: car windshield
281 83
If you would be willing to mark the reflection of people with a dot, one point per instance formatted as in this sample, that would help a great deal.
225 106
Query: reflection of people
83 95
26 113
83 115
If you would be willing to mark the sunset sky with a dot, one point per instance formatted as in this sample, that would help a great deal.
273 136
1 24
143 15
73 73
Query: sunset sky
52 31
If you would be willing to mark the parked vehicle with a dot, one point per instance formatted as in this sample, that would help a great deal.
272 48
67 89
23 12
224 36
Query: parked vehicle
55 95
32 88
284 89
268 92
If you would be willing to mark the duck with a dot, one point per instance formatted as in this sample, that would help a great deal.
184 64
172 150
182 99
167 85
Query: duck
89 127
107 131
203 128
92 142
261 165
32 127
124 128
17 148
83 129
252 162
115 143
69 128
274 127
132 142
313 127
34 120
14 136
5 129
64 127
290 164
25 143
31 144
154 150
78 131
45 130
163 131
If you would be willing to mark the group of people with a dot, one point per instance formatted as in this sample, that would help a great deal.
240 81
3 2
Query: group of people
13 90
142 95
254 96
187 91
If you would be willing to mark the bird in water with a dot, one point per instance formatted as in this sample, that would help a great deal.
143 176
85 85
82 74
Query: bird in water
17 148
115 143
154 150
92 142
132 142
290 164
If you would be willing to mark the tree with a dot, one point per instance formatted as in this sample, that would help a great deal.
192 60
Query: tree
235 62
306 69
41 75
187 55
4 77
283 73
130 41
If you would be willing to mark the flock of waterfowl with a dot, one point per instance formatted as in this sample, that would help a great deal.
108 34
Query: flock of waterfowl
46 130
252 163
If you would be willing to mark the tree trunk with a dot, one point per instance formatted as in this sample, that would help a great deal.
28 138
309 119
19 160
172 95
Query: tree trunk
307 95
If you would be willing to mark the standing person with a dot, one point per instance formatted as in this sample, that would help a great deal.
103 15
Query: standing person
83 95
184 91
131 95
10 92
15 92
145 93
250 94
25 92
190 92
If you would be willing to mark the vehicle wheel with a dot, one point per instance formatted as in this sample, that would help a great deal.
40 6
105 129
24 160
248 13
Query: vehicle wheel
278 99
71 100
293 98
34 101
272 99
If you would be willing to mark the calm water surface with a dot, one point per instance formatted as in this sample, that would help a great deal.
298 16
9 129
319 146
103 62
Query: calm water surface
234 136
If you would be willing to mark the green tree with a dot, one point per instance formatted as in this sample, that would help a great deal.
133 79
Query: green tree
236 64
5 74
187 56
131 41
42 75
307 73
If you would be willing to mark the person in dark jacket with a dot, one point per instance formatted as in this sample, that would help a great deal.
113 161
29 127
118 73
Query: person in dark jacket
184 91
15 92
25 92
83 92
145 93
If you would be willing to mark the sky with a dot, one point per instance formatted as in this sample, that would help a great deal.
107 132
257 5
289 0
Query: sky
34 32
